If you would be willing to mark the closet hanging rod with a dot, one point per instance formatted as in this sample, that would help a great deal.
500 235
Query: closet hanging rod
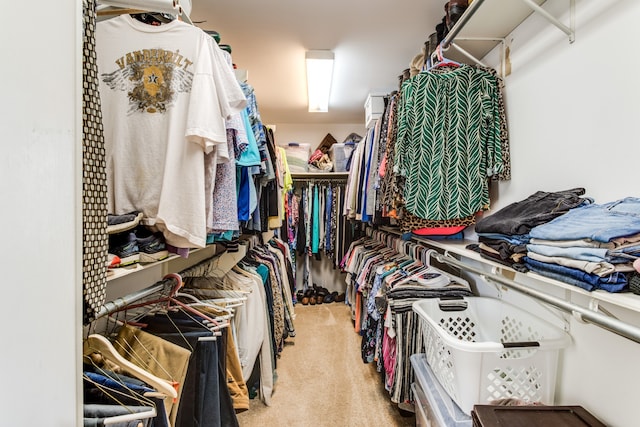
159 287
315 176
611 324
466 16
119 303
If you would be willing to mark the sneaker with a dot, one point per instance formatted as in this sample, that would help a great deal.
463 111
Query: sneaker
125 247
113 261
152 248
125 222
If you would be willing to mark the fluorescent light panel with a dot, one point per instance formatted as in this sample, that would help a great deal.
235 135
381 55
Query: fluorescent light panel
319 75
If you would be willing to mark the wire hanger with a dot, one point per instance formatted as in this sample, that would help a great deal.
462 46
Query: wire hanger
153 18
96 343
124 418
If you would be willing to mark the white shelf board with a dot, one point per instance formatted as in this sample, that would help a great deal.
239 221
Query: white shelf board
172 263
492 19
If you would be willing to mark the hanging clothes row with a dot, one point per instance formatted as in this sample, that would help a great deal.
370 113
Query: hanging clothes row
206 345
315 225
428 161
263 282
385 275
172 342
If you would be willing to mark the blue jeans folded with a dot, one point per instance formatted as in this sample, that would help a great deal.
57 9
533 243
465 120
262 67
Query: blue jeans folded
601 223
584 254
614 282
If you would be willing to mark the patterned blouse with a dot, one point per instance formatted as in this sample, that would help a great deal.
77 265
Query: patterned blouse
449 141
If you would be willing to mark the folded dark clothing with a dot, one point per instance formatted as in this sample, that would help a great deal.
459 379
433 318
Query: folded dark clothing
510 262
539 208
504 247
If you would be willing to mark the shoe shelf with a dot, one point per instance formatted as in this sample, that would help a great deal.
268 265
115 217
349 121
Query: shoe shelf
486 23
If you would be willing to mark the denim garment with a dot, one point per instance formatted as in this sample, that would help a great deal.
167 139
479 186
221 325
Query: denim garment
539 208
504 248
615 282
583 254
557 276
582 243
599 268
114 384
515 239
601 223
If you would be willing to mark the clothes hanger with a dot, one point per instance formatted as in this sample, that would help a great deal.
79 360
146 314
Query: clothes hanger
99 344
170 299
437 59
125 418
211 304
153 18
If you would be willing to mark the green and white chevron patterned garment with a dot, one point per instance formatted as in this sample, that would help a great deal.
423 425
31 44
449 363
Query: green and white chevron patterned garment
448 142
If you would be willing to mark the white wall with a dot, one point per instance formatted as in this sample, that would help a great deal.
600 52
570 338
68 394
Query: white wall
313 134
573 109
40 253
573 113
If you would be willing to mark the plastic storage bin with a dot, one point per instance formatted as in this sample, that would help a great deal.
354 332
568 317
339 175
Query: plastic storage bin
373 108
298 156
490 350
339 153
433 406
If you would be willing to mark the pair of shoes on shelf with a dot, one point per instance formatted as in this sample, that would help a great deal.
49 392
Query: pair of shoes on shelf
139 246
121 223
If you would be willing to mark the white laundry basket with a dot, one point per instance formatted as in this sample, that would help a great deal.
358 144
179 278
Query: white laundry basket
490 350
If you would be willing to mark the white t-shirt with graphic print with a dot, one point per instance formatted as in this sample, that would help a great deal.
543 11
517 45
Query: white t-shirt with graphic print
165 93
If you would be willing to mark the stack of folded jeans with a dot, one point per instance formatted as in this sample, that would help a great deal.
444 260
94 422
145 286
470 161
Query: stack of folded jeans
503 236
592 246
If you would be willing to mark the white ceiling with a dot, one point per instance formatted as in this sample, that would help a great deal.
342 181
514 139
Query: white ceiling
373 41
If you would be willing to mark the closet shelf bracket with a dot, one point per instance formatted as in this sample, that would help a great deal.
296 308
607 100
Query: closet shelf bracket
568 30
503 50
589 315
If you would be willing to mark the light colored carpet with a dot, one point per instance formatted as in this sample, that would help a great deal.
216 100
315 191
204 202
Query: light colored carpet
322 380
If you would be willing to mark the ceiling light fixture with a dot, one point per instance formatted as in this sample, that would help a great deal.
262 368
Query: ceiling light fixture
319 75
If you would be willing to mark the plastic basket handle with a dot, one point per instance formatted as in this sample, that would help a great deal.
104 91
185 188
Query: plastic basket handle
515 344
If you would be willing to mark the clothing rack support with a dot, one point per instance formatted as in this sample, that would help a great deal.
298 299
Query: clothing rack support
468 54
611 324
569 31
119 303
163 285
